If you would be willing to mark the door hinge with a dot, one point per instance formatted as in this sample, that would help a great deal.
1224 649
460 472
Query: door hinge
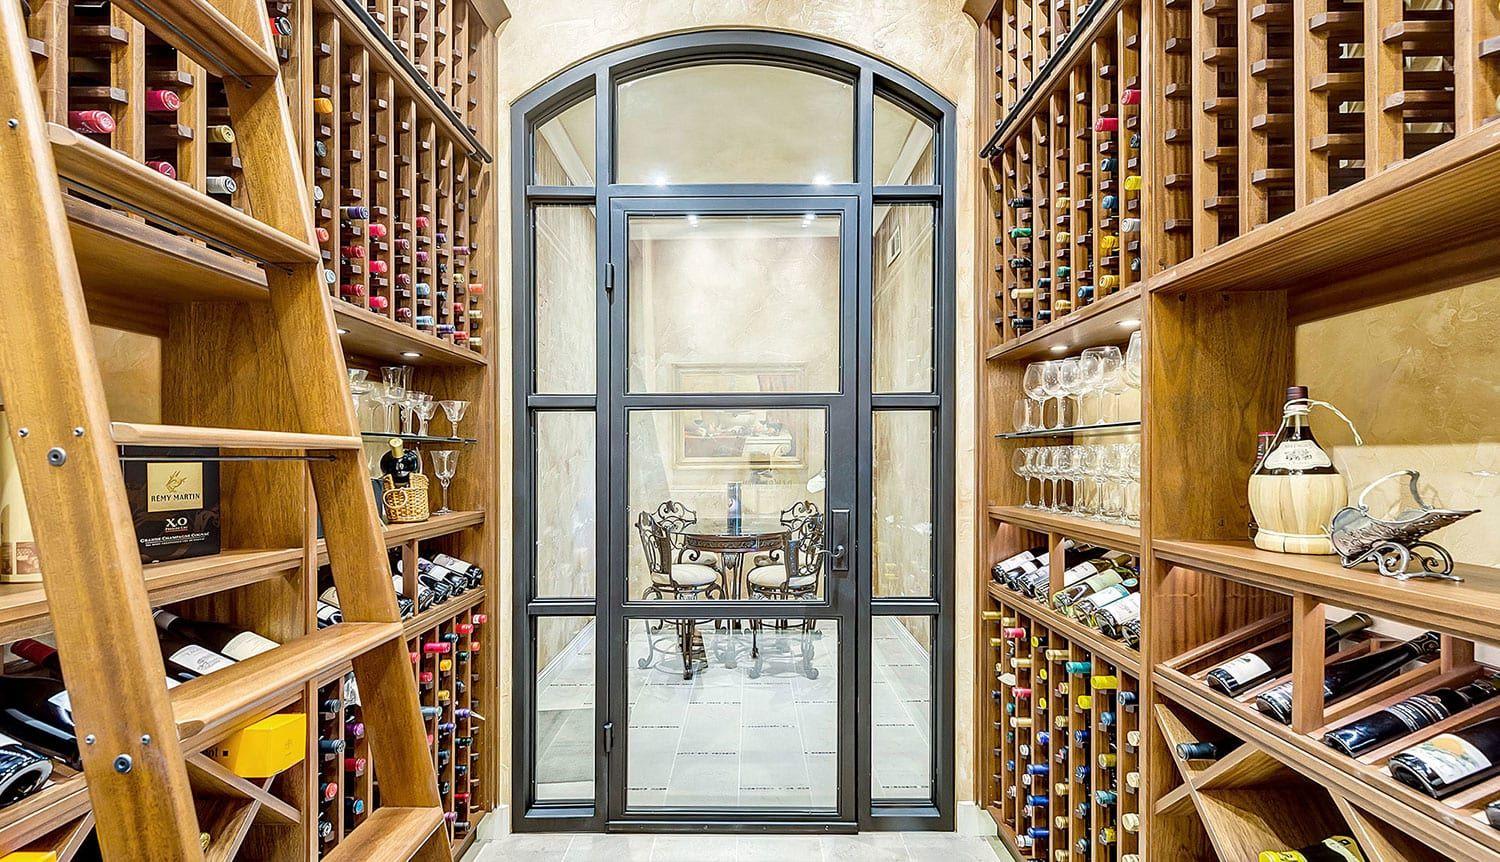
609 736
609 279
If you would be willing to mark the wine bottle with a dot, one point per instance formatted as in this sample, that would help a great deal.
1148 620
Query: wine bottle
92 122
1296 489
1085 608
220 185
1258 665
1087 568
1112 619
399 464
219 134
1339 848
162 101
1076 590
1206 750
36 713
1451 761
234 643
1352 675
186 660
1409 716
328 614
164 168
22 771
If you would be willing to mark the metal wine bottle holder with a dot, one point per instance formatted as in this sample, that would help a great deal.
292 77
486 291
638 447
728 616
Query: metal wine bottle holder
1394 544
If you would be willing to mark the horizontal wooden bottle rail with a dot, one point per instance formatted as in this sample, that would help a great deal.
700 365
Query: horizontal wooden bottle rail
1040 711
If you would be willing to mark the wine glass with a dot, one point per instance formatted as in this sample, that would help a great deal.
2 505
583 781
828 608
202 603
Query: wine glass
1101 367
1133 483
1133 360
1085 500
425 409
1104 468
1053 387
1063 471
1070 380
1119 473
444 461
386 396
359 387
1020 464
454 410
396 378
1032 382
1020 415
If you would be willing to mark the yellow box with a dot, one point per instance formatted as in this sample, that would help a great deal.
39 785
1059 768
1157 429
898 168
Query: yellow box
29 856
265 748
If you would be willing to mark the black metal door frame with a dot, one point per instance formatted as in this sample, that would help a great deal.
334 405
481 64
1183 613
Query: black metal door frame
598 78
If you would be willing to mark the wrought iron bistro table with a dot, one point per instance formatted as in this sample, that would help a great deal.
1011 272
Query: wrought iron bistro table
732 539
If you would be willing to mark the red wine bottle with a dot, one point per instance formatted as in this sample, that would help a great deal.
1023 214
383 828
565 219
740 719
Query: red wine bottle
36 713
1263 663
22 771
1409 716
1449 762
187 660
229 641
93 122
1352 675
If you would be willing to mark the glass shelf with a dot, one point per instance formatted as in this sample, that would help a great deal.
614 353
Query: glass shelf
418 438
1076 430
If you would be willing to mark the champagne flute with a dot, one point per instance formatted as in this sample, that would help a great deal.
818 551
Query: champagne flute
454 410
444 461
395 377
386 395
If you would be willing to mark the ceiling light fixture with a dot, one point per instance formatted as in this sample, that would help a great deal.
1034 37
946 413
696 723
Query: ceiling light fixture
412 354
1131 323
1059 348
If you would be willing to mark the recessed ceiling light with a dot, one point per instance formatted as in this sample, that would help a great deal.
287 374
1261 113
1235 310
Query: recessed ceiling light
343 332
412 354
1132 323
1059 348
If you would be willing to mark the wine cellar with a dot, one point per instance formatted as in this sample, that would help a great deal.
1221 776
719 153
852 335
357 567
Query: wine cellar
262 205
1208 189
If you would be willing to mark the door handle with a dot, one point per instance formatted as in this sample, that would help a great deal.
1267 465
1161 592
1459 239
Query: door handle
842 544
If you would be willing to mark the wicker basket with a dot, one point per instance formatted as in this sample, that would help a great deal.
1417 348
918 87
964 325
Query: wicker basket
407 504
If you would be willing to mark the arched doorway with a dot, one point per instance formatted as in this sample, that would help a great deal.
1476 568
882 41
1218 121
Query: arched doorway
734 358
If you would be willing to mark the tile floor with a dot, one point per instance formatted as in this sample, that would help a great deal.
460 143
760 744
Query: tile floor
738 734
868 847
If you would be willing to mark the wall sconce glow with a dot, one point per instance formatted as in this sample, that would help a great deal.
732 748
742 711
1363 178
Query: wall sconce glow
1132 323
412 354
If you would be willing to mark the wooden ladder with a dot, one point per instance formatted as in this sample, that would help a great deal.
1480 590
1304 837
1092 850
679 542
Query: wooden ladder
136 737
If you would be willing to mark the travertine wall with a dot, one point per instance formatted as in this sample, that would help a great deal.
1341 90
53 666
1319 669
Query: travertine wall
932 39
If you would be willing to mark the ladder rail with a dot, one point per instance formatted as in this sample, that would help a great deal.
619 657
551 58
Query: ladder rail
135 770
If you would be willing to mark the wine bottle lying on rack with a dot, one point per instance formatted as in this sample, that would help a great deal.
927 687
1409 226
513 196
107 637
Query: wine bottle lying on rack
22 771
1339 848
1409 716
1449 762
1352 675
1268 662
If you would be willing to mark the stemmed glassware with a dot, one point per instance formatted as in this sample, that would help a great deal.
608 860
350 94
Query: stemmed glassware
425 410
1021 461
1062 471
444 462
395 378
359 387
1053 387
1101 367
1132 368
1033 383
454 410
1071 384
1132 483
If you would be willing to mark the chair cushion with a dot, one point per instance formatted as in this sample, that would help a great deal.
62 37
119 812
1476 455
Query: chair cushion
771 577
688 575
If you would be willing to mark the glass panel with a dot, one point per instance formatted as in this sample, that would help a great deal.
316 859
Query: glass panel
903 276
754 726
735 123
901 704
902 503
565 558
904 151
720 498
565 728
564 147
565 300
734 303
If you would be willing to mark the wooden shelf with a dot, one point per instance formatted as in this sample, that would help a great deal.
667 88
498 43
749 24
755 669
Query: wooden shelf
141 434
367 334
43 812
1116 537
1100 323
1378 232
24 612
209 707
1439 826
1467 609
1117 652
432 528
388 834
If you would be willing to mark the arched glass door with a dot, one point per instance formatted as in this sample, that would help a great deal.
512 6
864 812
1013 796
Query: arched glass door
734 491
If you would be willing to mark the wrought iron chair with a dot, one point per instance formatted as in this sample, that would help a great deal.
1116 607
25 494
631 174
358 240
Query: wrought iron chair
670 577
794 574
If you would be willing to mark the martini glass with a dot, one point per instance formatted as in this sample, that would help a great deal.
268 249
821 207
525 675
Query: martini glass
454 410
425 408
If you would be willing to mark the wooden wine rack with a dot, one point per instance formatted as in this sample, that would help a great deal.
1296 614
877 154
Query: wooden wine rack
404 133
1051 724
1296 162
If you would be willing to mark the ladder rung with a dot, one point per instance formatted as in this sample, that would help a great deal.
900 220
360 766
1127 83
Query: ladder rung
97 167
388 835
140 434
204 34
208 704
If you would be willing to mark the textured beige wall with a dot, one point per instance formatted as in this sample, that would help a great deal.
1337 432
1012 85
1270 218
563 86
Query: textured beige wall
932 39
